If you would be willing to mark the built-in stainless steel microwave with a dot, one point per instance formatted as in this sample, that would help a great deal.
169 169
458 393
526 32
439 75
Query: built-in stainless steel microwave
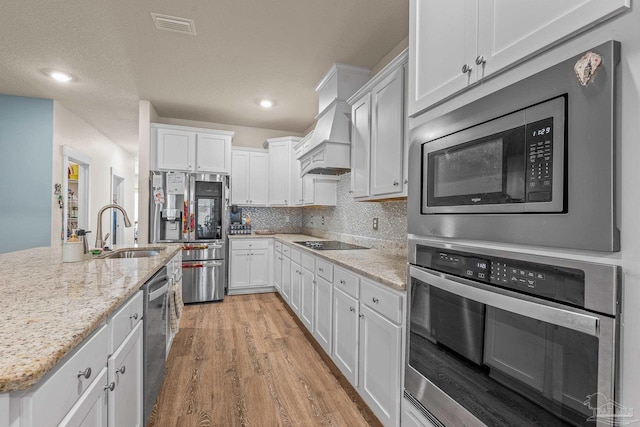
514 163
533 163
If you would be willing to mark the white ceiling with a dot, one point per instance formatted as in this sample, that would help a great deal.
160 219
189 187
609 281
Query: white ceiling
243 50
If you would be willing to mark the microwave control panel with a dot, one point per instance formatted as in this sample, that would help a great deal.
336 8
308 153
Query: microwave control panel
546 281
539 160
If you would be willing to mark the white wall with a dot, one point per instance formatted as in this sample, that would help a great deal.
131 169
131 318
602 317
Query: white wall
623 28
147 115
71 130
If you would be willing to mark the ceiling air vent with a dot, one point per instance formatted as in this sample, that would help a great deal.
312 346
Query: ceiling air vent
174 23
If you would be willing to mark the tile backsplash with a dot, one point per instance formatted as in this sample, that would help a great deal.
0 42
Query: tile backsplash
349 221
352 221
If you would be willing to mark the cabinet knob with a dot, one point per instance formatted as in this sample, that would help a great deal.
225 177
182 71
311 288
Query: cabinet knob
320 269
285 202
342 282
361 316
121 370
86 373
351 309
350 191
396 183
375 300
466 68
481 60
134 316
190 167
110 387
406 181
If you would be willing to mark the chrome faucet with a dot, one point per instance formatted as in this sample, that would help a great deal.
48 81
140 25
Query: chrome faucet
100 241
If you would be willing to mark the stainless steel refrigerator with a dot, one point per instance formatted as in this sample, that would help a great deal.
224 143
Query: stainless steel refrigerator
191 208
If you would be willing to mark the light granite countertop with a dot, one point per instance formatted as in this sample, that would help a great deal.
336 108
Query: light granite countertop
375 264
49 306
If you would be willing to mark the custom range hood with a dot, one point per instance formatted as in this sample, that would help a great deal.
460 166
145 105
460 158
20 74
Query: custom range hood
329 148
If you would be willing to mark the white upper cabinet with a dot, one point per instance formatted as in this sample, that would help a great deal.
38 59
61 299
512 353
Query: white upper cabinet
249 177
190 149
176 149
360 146
213 153
280 163
457 43
378 138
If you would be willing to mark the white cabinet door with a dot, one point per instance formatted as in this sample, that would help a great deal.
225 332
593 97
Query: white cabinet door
510 31
213 153
277 272
306 299
91 409
308 190
380 365
286 278
176 150
239 272
125 373
259 267
279 173
240 177
387 135
258 178
322 313
360 143
296 276
345 335
442 39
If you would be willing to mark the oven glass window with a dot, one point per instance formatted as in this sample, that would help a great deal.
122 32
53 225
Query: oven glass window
504 368
474 169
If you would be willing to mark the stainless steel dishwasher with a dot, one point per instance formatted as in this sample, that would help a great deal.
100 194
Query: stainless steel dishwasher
156 325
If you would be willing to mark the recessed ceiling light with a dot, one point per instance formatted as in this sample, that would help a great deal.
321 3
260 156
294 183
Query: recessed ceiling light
58 76
266 103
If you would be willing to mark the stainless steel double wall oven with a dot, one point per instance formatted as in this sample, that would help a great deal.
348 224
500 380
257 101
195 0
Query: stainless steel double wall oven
499 334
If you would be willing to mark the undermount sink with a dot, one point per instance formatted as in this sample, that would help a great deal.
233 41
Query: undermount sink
132 253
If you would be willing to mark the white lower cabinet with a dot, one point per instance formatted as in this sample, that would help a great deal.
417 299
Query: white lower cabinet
91 409
345 334
249 266
99 384
296 279
306 291
322 307
277 271
286 278
125 382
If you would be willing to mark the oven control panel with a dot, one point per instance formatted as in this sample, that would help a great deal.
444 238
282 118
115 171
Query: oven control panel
547 281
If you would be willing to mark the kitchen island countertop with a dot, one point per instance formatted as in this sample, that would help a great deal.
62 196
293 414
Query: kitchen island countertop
49 307
375 264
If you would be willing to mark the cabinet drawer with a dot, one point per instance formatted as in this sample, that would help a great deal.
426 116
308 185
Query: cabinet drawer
124 320
324 269
347 281
246 244
286 250
384 302
278 247
295 256
53 398
308 261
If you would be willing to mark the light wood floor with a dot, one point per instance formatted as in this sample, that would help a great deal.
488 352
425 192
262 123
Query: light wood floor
246 361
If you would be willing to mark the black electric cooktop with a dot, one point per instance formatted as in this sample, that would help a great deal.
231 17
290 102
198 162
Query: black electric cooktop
329 245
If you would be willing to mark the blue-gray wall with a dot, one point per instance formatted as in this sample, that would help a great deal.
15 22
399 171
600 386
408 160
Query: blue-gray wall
26 162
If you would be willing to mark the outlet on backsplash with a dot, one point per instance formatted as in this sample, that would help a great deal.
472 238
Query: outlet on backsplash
322 219
375 223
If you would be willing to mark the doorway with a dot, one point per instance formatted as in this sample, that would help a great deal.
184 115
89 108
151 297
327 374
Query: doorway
75 191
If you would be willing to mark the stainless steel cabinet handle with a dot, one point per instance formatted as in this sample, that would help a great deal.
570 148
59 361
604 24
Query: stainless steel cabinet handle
351 309
121 370
134 316
86 373
375 300
110 387
481 60
466 68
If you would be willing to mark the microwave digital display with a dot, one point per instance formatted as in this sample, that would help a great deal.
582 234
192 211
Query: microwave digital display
513 163
473 169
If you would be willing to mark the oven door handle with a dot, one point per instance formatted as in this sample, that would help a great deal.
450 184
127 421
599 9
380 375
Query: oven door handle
546 313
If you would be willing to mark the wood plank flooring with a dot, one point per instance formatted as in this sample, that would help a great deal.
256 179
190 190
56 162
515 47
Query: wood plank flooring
247 362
